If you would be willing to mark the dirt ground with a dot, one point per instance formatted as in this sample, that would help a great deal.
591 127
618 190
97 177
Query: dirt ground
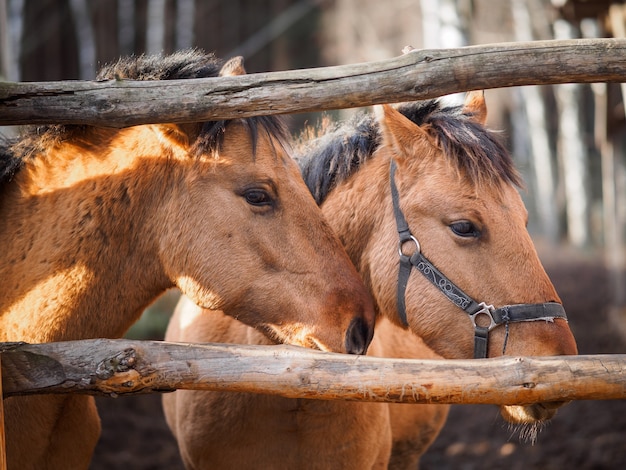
583 435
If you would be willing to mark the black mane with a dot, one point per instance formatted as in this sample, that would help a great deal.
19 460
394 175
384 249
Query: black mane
191 63
9 162
334 156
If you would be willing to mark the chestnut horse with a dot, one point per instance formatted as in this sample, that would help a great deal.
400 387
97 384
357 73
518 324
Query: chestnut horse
95 223
455 188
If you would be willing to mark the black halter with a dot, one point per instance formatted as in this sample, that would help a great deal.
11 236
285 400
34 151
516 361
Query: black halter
496 316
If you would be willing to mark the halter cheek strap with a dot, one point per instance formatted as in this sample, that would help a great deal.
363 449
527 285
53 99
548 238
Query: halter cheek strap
493 316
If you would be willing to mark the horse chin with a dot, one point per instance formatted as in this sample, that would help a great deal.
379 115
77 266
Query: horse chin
294 338
529 414
530 419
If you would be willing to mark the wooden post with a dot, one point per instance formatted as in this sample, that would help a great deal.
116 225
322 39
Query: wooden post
3 454
613 198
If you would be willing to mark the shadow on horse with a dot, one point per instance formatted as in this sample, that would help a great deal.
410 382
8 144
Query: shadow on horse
425 200
96 223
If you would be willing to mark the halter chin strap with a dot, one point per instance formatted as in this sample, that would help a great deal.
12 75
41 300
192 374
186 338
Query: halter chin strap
493 316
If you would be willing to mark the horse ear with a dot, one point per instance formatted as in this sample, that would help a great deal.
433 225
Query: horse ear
398 131
475 106
233 67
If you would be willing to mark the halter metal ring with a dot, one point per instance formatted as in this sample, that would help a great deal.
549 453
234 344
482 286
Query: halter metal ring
485 310
418 248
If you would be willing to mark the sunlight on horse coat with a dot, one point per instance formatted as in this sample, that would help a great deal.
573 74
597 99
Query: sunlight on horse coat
95 223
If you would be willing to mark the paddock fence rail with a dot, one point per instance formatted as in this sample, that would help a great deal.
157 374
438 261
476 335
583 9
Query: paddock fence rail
415 75
116 367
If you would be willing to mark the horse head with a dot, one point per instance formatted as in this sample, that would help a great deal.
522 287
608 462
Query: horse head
449 256
240 206
217 209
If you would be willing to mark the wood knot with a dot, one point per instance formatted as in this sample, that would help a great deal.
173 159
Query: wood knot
120 362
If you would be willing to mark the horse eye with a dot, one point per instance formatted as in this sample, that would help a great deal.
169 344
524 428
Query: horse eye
257 197
465 228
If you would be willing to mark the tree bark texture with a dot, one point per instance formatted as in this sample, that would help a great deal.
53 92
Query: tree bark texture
114 367
420 74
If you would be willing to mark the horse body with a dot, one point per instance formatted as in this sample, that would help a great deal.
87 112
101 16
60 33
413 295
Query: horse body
96 223
456 187
240 430
71 242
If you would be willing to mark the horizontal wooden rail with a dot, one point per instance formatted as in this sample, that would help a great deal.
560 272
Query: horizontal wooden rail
114 367
419 74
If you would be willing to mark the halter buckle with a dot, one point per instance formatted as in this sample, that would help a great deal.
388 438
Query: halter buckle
410 238
485 310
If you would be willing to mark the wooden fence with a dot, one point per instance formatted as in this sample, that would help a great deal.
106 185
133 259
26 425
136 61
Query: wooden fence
115 367
419 74
120 366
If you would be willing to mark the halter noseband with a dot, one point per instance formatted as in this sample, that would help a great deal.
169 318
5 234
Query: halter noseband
496 316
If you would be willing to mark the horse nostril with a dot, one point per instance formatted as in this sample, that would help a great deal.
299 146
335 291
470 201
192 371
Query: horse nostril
358 336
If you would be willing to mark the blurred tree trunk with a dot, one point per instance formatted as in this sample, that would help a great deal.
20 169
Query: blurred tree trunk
11 26
5 41
155 28
536 128
85 38
444 26
614 193
140 26
125 27
444 23
572 151
49 47
185 12
10 33
105 16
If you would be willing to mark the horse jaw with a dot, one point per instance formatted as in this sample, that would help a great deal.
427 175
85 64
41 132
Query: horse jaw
530 418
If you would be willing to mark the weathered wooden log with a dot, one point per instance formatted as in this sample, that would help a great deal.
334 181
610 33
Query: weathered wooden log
113 367
419 74
3 455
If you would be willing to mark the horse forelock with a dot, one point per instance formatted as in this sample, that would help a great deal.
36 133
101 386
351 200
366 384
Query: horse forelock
474 150
211 136
336 152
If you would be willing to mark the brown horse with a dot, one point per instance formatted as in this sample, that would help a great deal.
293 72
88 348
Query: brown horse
224 430
466 222
96 223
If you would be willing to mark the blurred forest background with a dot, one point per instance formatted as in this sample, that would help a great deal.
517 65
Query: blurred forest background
568 140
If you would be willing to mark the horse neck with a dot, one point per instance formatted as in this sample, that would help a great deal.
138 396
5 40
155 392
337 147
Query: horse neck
77 229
